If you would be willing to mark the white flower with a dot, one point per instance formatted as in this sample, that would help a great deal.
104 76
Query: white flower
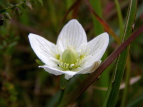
72 54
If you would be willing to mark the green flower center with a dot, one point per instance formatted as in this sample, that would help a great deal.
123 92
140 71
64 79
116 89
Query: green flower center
69 59
70 56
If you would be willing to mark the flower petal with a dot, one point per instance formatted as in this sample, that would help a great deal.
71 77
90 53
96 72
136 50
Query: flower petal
97 46
57 71
44 49
70 74
89 68
72 34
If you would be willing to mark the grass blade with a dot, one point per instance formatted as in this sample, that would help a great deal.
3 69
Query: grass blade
120 18
136 102
98 28
73 95
96 4
77 2
105 25
121 62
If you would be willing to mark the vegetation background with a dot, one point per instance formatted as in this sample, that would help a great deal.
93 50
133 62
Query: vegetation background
23 84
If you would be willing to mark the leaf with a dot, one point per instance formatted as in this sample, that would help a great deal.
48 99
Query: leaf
70 9
39 62
110 100
54 100
40 2
120 18
73 95
105 25
136 102
63 82
98 28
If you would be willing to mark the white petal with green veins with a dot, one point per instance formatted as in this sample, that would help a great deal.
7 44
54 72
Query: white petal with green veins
72 54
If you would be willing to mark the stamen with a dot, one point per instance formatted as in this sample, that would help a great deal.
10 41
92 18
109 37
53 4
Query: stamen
70 59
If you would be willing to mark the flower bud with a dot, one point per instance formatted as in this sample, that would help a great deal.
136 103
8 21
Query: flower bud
28 4
7 15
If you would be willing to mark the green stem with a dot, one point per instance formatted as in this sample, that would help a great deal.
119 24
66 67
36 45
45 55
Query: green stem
60 98
121 62
7 58
98 28
12 6
121 25
128 72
